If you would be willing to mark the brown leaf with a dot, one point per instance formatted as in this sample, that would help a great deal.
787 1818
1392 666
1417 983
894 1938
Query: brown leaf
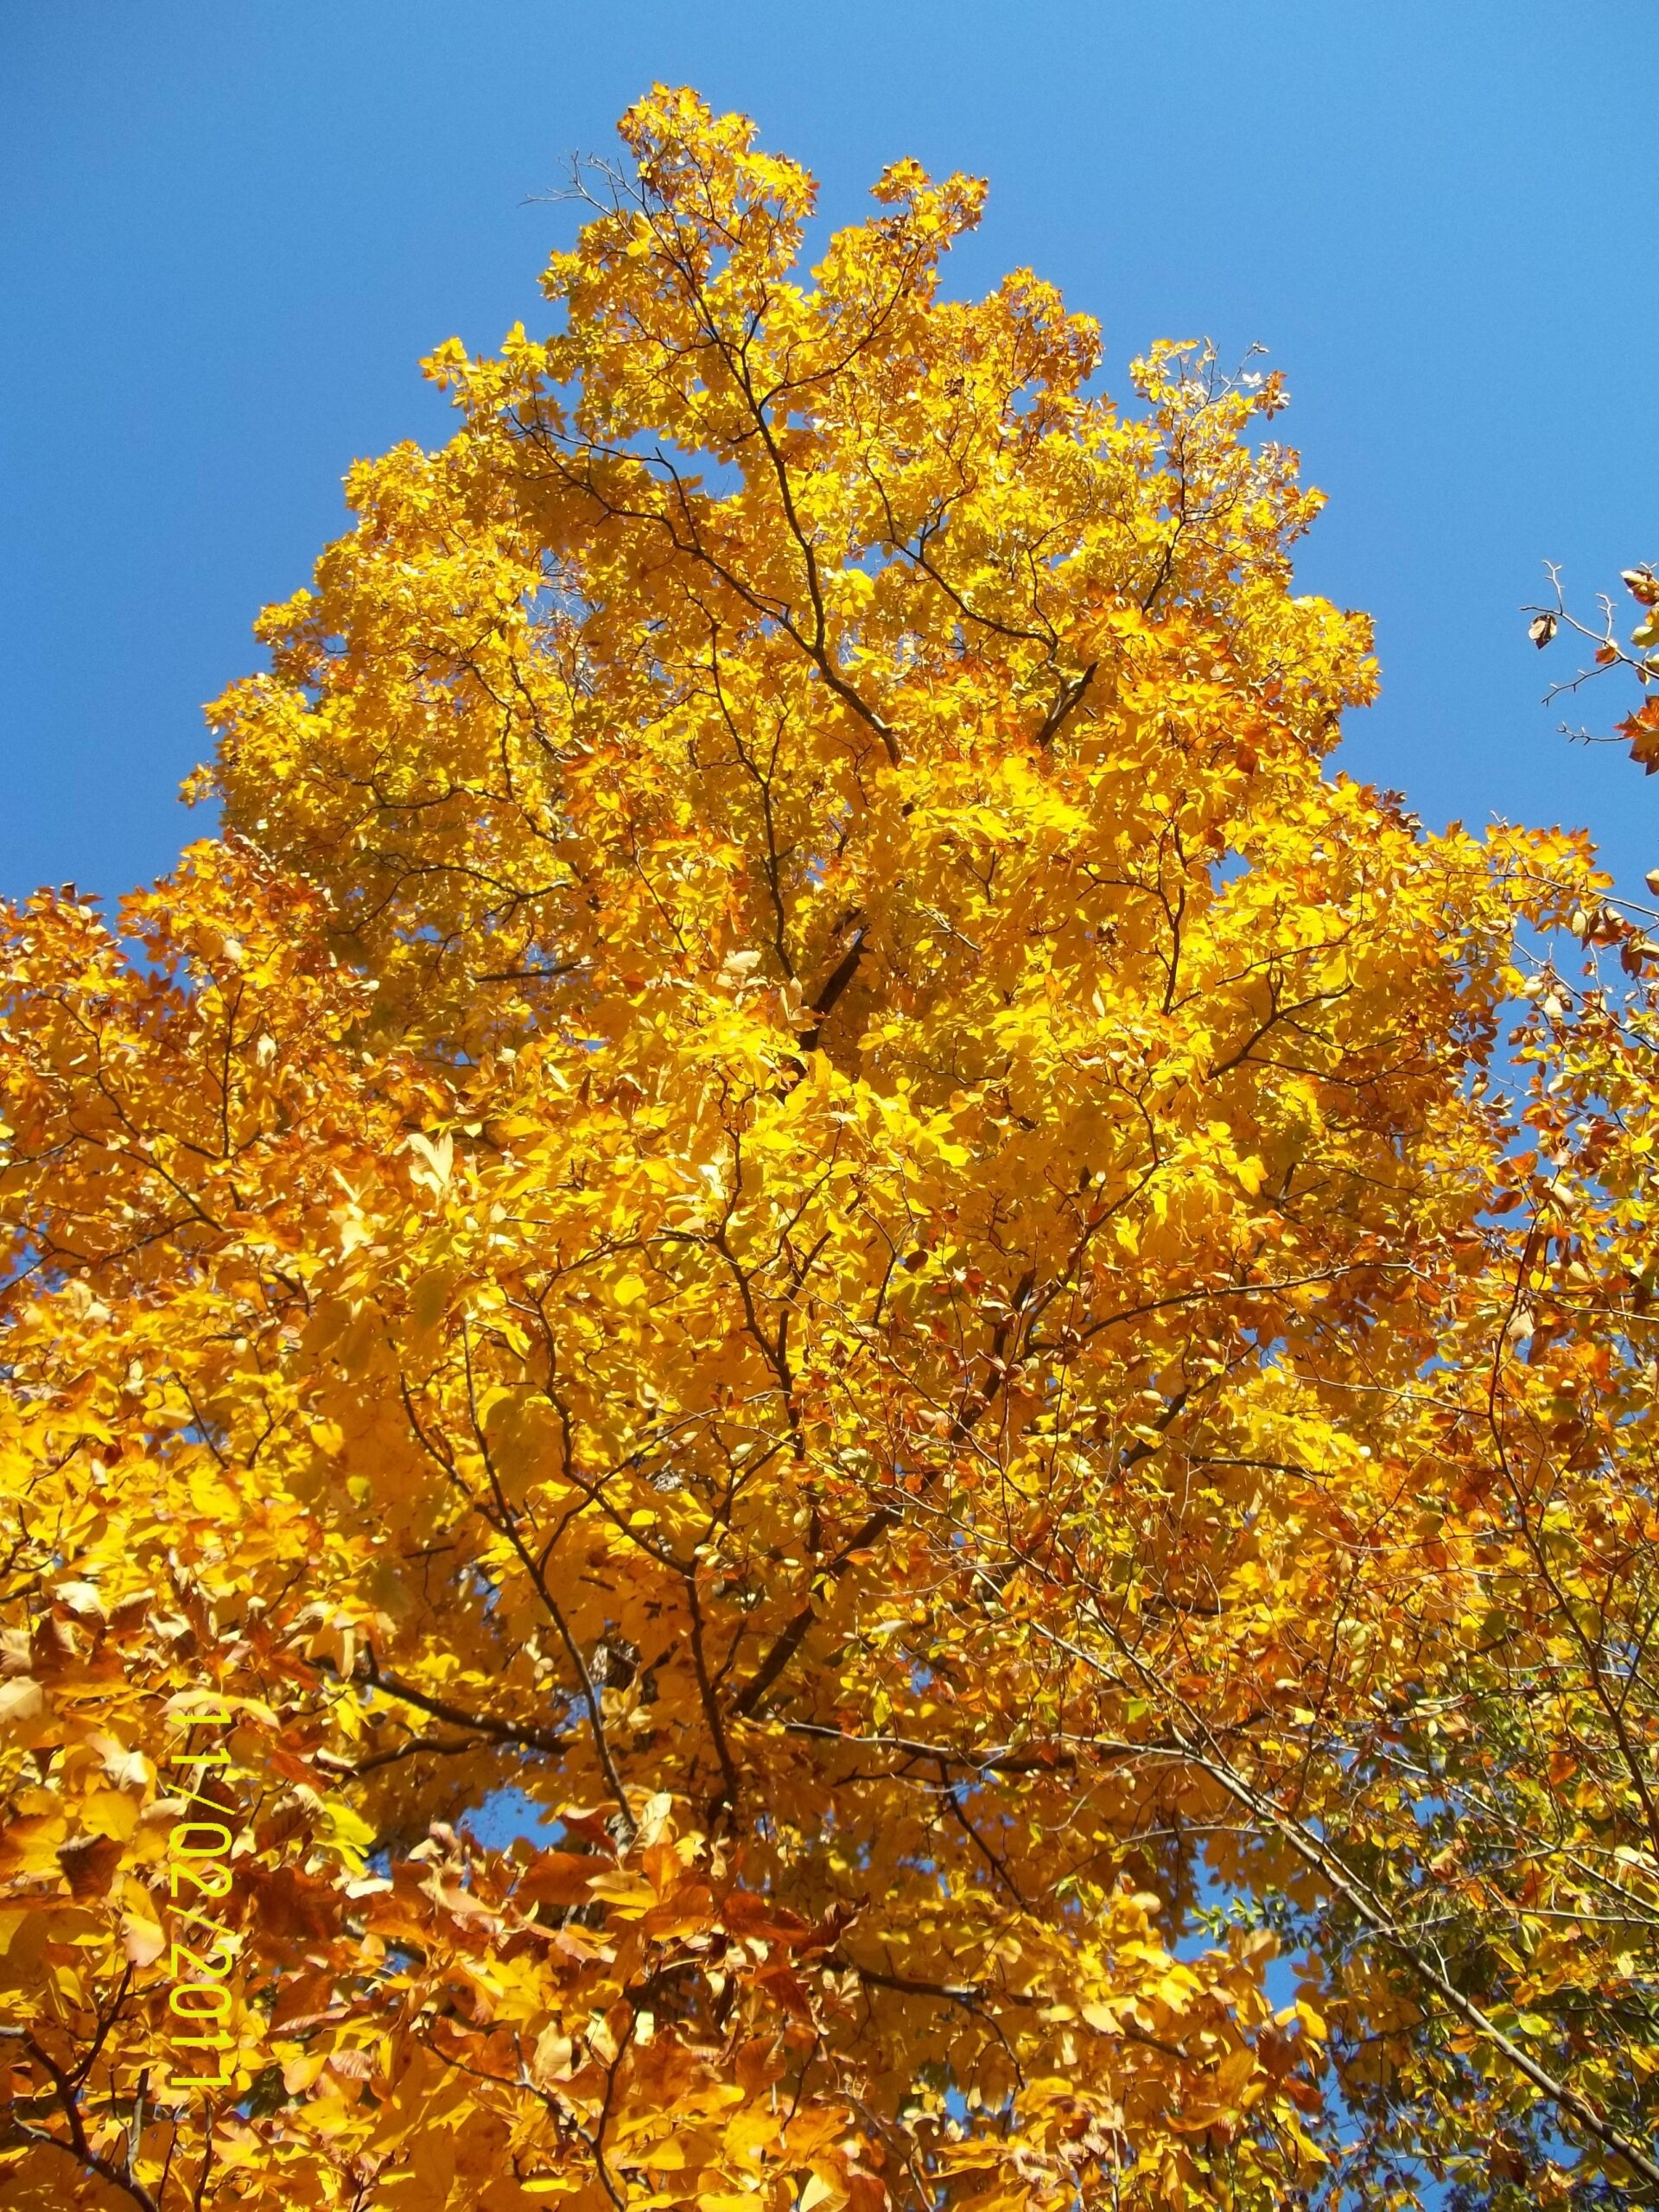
747 1915
560 1878
288 1902
90 1864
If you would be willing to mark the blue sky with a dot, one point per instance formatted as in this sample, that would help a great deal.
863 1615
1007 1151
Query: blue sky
228 230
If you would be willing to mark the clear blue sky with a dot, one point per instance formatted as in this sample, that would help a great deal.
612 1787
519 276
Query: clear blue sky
228 228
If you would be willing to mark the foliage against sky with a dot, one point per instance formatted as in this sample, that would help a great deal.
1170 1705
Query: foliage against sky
797 1181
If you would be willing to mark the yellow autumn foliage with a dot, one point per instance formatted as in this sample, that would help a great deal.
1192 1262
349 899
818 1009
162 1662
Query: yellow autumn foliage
800 1181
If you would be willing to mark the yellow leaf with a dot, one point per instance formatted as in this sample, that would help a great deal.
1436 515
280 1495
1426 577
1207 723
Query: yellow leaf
111 1813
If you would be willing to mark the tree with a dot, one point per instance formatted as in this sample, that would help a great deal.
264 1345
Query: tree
796 1181
1639 656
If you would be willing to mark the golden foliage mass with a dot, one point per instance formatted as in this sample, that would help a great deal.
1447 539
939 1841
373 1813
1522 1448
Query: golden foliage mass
798 1182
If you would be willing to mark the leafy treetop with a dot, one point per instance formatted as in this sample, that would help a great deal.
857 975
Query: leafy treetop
798 1181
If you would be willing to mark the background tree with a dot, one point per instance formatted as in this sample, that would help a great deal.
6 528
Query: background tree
1637 652
796 1181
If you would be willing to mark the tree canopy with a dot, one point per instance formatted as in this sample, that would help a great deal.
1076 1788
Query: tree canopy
798 1182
